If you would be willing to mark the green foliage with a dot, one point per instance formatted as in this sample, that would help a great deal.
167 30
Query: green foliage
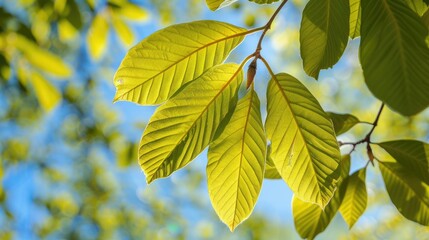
181 65
324 33
342 122
304 150
173 57
395 59
309 218
236 160
355 197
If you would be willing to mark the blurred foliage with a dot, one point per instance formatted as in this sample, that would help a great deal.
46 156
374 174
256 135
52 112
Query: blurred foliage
68 168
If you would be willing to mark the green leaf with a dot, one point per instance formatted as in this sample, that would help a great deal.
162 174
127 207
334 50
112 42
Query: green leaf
304 146
263 1
158 66
355 197
41 58
412 155
123 31
355 18
236 159
97 36
407 192
47 94
323 34
394 55
216 4
342 122
309 218
271 171
418 6
182 127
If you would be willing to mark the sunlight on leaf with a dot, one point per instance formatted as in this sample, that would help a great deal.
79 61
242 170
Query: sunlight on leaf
355 18
216 4
342 122
271 171
355 197
159 65
47 94
97 36
309 218
304 146
236 162
182 127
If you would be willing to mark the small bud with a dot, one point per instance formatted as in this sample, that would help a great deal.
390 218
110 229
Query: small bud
251 71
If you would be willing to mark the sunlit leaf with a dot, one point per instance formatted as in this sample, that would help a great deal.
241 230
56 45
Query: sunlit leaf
304 146
309 218
409 194
133 12
181 128
41 58
66 31
216 4
158 66
123 31
412 155
236 162
394 55
97 36
355 197
323 34
342 122
355 18
47 94
271 171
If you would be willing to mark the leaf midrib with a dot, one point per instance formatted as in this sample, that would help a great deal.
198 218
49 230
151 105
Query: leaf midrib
188 56
198 118
243 139
300 133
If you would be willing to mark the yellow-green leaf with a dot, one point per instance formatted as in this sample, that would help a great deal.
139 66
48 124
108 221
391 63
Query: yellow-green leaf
355 197
309 218
41 58
264 1
97 36
133 12
123 31
323 34
47 94
408 193
412 155
182 127
236 161
159 65
355 18
271 171
216 4
418 6
304 146
394 55
342 122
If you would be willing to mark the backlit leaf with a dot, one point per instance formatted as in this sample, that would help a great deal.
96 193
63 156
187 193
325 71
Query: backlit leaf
304 146
418 6
216 4
123 31
97 36
342 122
412 155
394 55
133 12
271 171
355 197
323 34
159 65
41 58
407 192
236 162
309 218
355 18
182 127
47 94
264 1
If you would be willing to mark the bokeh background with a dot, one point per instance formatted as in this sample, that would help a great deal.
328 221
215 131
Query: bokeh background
68 154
